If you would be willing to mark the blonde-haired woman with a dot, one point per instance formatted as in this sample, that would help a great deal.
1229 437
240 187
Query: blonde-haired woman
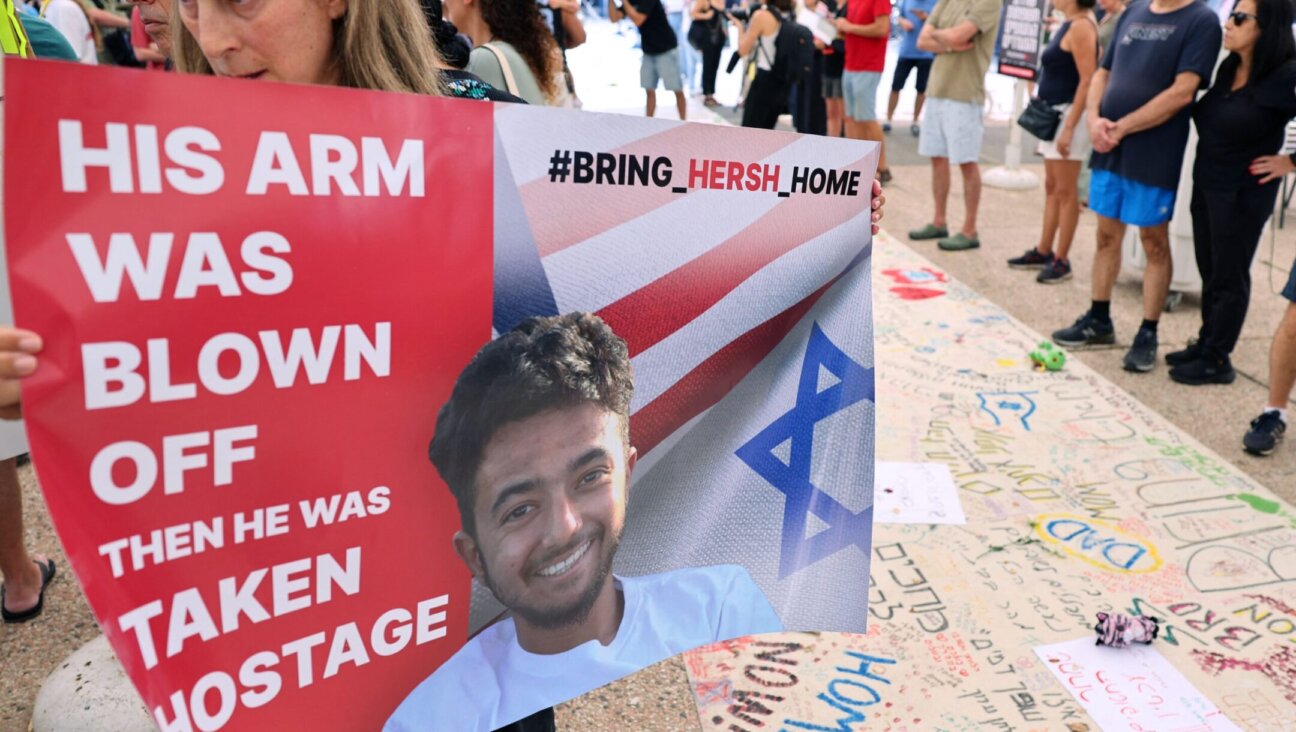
367 44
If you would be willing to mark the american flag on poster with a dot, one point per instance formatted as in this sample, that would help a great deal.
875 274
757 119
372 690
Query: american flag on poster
739 277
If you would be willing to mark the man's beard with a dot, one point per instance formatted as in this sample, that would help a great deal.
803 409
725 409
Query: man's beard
575 613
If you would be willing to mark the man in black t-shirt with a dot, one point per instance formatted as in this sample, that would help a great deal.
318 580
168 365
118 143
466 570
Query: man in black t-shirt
1162 52
660 50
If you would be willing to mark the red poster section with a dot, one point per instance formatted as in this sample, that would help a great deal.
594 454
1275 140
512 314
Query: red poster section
254 299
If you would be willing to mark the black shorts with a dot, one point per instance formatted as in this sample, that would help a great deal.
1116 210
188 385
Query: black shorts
903 66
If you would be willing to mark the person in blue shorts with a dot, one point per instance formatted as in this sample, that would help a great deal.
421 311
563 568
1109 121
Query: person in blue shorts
913 15
1162 52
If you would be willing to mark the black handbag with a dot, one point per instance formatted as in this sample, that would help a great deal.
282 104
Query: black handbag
699 36
1040 119
707 34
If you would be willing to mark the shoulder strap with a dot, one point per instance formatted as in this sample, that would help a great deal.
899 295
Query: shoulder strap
510 82
1097 40
760 48
13 38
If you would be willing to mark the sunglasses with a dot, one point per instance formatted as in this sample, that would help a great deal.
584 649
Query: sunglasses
1238 17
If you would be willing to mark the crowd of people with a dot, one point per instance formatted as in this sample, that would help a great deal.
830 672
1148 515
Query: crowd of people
1121 85
1134 110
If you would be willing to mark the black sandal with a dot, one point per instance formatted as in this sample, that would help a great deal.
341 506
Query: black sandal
47 575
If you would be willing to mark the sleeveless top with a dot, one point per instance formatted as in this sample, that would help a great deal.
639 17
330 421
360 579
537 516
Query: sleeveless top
765 51
1059 77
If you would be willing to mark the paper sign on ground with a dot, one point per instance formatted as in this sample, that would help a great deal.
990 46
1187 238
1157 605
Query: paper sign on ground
1132 688
915 493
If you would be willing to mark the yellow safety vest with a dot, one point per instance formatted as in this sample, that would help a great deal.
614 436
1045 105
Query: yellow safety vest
13 39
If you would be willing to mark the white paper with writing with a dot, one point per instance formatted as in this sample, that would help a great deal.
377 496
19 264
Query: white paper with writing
822 28
1132 688
915 493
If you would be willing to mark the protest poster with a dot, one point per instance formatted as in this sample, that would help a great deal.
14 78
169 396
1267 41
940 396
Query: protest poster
252 321
1022 27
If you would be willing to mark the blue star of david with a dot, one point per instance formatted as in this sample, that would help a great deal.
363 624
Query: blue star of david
802 497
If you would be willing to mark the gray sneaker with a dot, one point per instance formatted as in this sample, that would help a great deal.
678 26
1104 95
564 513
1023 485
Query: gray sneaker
1266 430
1086 331
1059 270
1142 355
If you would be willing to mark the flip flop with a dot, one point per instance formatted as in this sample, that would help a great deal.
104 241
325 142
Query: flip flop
47 575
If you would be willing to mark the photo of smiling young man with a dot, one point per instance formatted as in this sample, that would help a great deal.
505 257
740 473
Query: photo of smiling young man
534 444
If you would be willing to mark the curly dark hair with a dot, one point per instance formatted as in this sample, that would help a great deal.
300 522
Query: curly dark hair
542 364
520 24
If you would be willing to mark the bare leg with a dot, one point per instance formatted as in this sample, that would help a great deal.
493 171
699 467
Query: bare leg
1160 269
681 104
892 101
1068 197
940 189
971 197
836 112
870 130
1107 257
22 578
1282 360
652 101
1049 230
918 104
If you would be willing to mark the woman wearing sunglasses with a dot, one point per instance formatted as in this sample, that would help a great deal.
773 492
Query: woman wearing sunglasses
1241 123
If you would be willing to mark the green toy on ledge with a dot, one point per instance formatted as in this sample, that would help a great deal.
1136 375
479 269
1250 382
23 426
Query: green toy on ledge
1048 357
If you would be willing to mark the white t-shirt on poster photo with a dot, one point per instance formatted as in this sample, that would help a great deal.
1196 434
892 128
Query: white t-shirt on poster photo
492 681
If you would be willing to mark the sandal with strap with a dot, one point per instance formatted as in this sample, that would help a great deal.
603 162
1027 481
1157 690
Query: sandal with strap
47 571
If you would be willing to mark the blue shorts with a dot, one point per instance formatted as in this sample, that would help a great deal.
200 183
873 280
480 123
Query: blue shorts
902 69
1128 201
1289 291
859 89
